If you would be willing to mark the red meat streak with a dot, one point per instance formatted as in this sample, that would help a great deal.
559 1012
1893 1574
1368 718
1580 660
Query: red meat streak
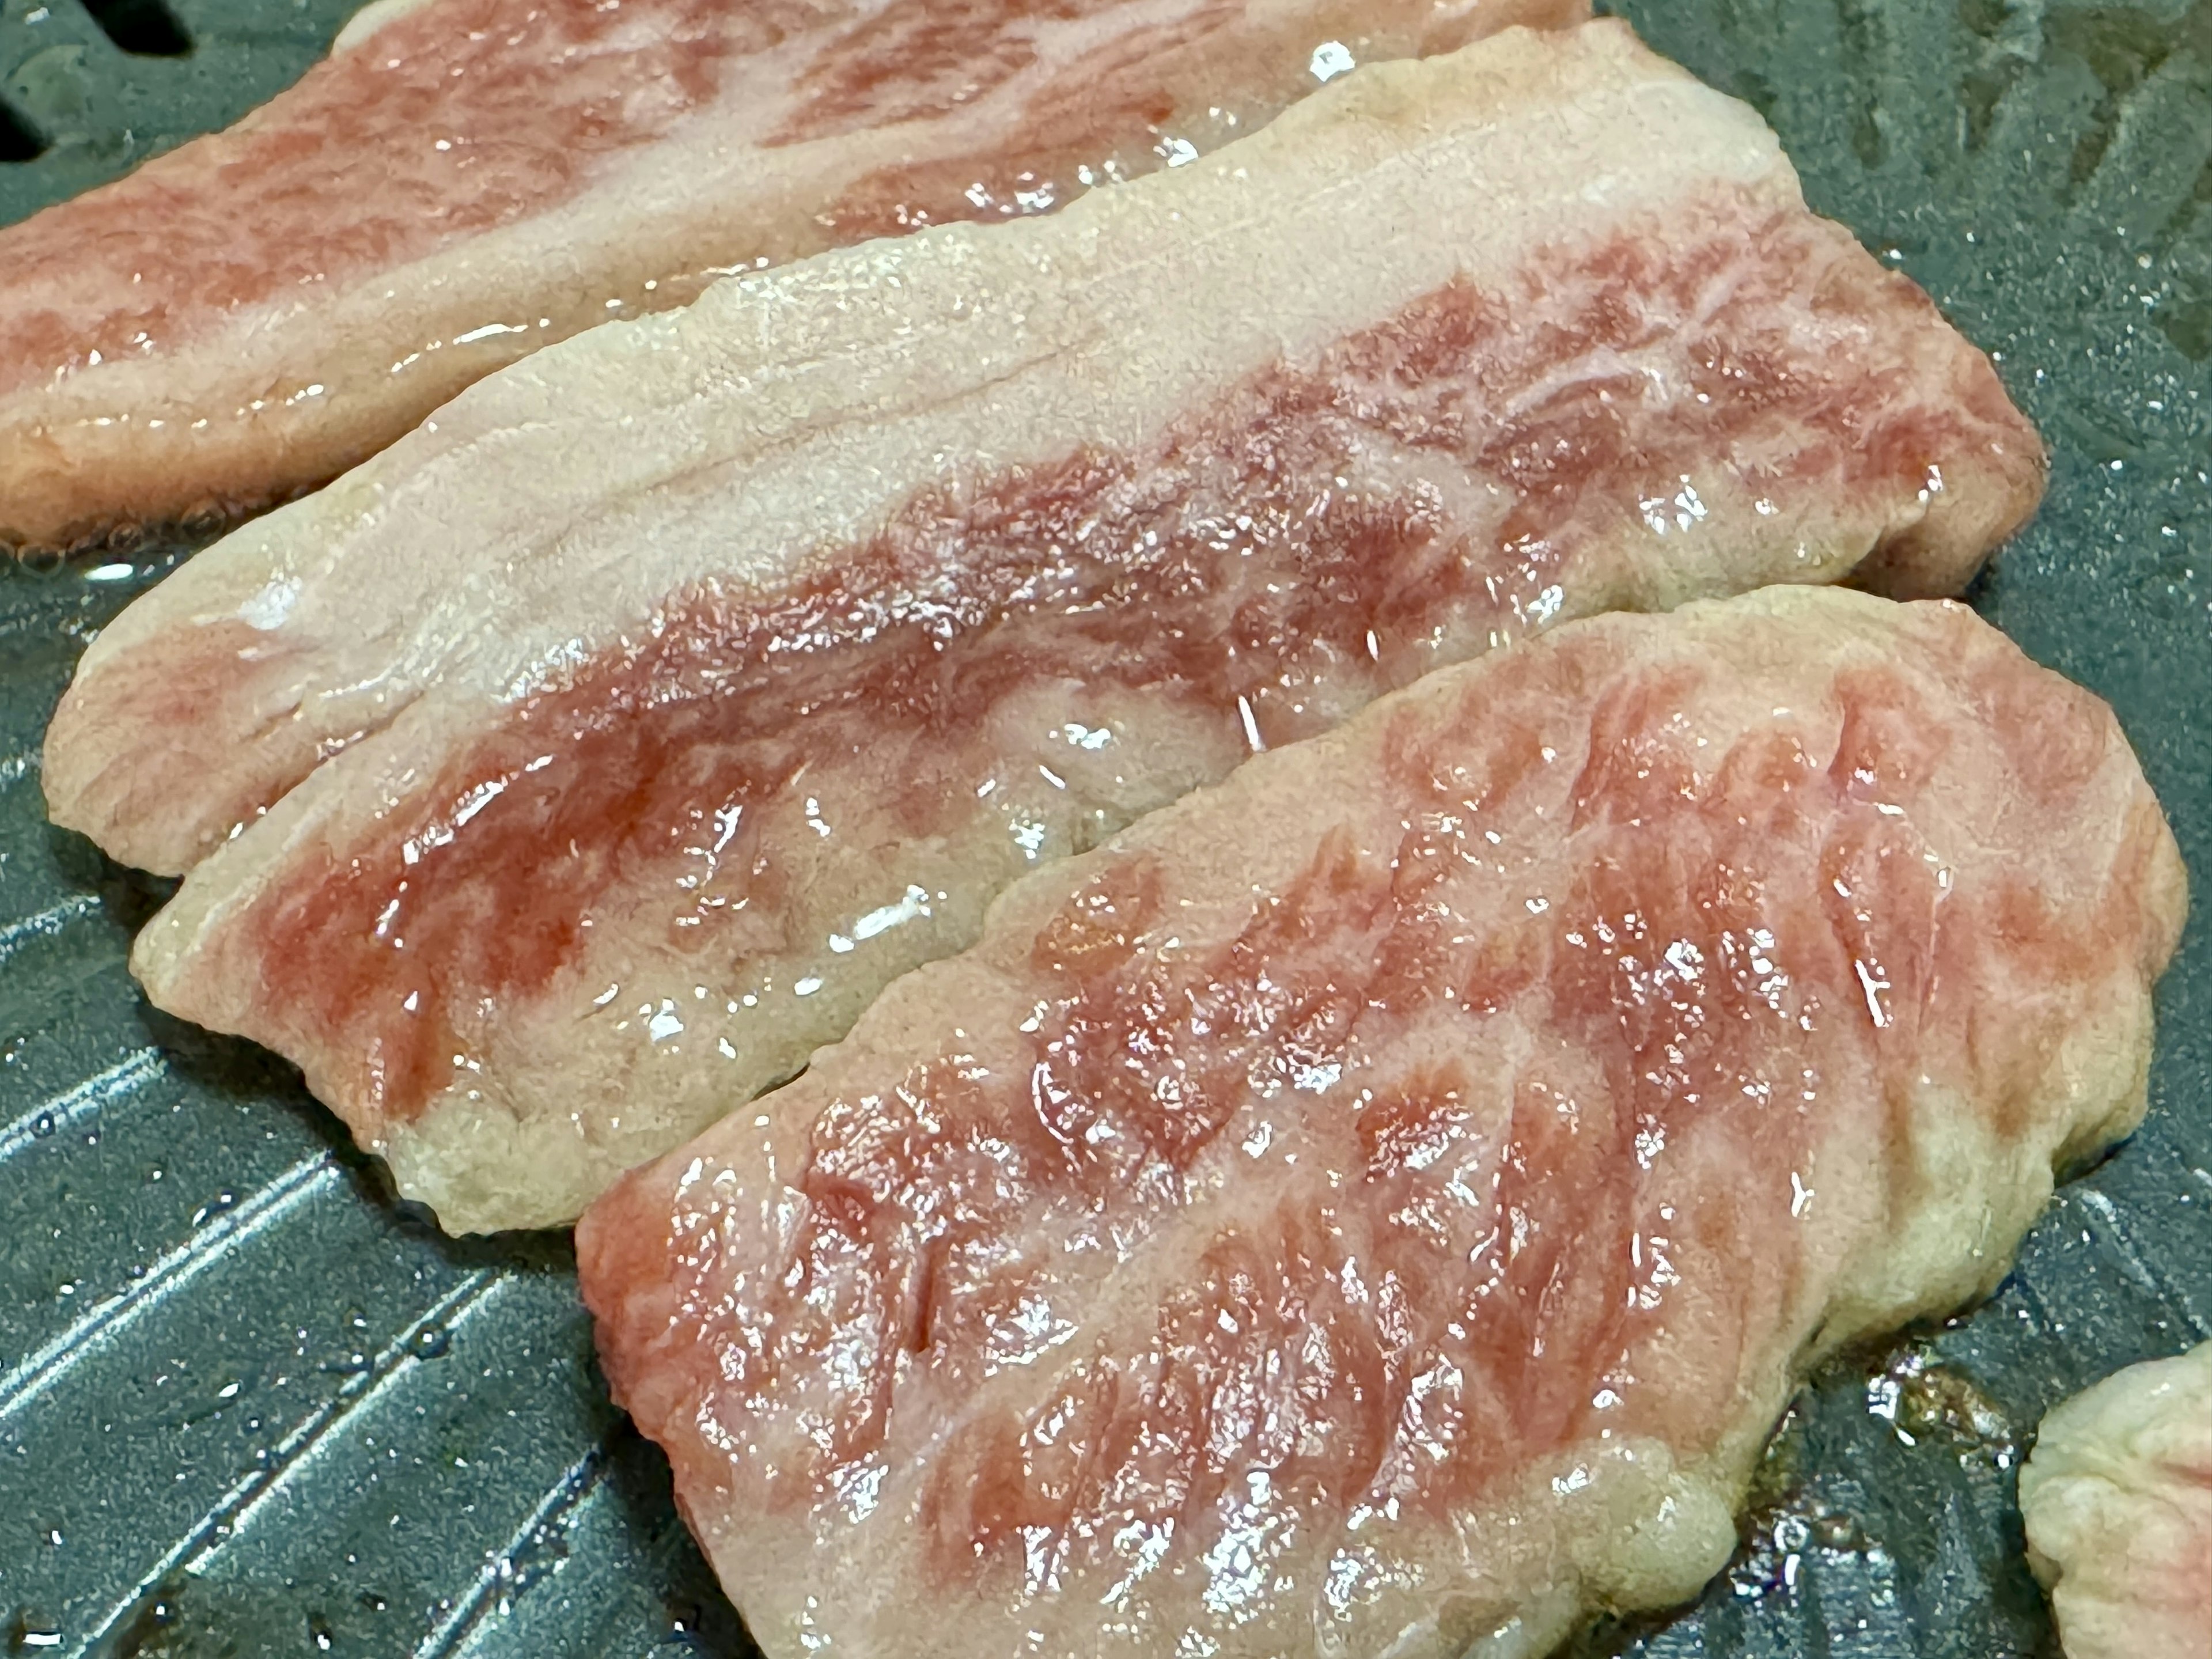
1777 868
340 178
1095 569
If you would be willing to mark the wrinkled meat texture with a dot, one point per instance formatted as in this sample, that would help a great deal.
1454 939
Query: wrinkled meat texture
2118 1502
1393 1194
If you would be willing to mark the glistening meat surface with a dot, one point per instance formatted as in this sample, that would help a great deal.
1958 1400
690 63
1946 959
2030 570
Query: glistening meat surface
693 680
1382 1204
465 181
2118 1499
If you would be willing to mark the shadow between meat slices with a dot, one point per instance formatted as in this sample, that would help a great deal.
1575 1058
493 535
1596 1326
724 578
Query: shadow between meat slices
463 182
723 667
1382 1204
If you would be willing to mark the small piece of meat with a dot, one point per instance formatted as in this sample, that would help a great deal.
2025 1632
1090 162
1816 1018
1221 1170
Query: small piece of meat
2118 1502
465 181
696 679
1384 1203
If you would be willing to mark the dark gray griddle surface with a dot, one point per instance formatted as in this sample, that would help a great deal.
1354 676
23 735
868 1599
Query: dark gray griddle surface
89 90
250 1406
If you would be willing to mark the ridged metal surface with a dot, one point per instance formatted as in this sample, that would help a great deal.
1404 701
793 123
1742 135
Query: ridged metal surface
89 88
250 1405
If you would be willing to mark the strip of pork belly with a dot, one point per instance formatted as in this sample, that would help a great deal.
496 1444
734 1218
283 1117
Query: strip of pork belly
1383 1204
1630 243
1034 554
2118 1498
465 181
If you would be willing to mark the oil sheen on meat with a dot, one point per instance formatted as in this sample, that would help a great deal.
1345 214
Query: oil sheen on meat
1381 1205
2118 1502
465 181
576 769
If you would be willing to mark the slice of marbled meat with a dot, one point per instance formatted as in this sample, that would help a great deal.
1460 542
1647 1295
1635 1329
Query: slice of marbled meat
716 670
2118 1498
465 181
1381 1205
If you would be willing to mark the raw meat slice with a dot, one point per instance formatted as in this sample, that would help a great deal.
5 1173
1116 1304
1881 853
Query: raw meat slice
1383 1204
464 181
1666 329
2118 1502
745 701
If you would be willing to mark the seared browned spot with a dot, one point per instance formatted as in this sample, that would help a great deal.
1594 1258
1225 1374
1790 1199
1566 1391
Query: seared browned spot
1244 569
